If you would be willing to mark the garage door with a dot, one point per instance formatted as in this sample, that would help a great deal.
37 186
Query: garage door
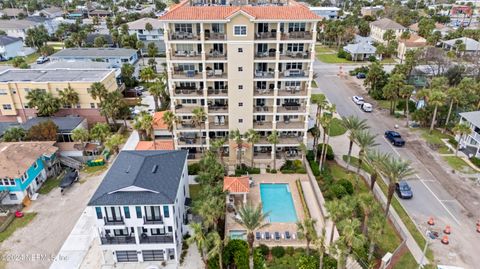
152 255
127 256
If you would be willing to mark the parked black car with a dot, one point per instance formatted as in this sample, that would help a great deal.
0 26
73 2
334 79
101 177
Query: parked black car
395 138
403 190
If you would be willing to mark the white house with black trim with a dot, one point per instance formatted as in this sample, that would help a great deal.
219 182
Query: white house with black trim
140 207
470 144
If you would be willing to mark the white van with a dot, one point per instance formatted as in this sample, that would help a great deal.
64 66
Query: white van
367 107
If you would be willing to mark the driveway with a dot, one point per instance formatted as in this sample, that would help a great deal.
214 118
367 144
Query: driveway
57 215
451 200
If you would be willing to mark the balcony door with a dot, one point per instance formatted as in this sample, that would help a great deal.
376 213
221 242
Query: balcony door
113 213
153 213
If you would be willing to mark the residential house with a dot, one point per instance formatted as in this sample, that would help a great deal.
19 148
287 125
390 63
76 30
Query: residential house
72 64
330 13
16 83
155 35
160 129
439 27
12 13
115 56
360 51
24 167
470 46
50 12
470 144
140 207
414 42
99 13
17 28
379 27
248 66
371 11
9 47
65 125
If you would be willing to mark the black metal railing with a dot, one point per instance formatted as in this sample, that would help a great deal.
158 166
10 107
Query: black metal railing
156 220
118 221
117 240
155 239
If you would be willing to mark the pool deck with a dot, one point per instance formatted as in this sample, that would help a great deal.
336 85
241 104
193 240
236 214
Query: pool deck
254 198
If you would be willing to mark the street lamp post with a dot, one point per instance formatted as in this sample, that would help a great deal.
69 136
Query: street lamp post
428 233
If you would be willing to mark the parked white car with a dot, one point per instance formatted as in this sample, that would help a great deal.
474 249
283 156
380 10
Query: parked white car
367 107
357 100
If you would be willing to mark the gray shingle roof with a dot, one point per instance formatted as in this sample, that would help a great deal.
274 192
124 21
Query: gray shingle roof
50 75
470 44
136 169
65 124
387 24
5 126
16 24
473 117
362 47
95 52
6 40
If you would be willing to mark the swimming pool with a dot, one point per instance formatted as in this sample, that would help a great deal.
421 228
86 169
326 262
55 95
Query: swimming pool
277 201
238 234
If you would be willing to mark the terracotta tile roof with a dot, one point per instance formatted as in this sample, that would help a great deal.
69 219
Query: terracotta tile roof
236 184
158 122
294 11
159 145
17 157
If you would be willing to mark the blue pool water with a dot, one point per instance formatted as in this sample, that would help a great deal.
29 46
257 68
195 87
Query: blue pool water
277 201
238 234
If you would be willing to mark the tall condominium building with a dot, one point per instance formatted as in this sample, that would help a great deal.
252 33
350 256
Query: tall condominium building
248 65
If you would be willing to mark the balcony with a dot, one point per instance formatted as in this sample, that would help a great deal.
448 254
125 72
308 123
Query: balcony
117 240
264 74
263 125
183 36
212 74
292 140
188 92
119 221
295 55
291 108
304 35
294 73
156 239
184 109
217 108
292 91
186 55
290 125
266 35
267 55
187 140
187 74
218 122
154 220
214 36
216 55
188 125
266 155
262 109
263 92
218 92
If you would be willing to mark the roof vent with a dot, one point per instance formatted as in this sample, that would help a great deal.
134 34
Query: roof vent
154 169
128 169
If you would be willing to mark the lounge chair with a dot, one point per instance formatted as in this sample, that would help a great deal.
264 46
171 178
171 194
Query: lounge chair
277 236
267 235
294 236
258 235
287 235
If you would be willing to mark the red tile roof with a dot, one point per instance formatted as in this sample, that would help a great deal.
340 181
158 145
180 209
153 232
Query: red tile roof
294 11
158 122
159 145
236 184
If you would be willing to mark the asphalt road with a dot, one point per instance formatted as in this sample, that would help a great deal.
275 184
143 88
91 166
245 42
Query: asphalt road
430 198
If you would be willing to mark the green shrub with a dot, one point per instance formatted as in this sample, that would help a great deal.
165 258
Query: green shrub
213 263
293 167
411 105
330 156
338 191
243 170
348 57
307 262
346 184
264 249
372 58
329 262
453 142
289 251
278 251
475 161
342 54
193 168
236 254
258 260
310 155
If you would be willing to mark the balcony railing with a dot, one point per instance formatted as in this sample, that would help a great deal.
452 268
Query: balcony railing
291 108
294 73
290 140
290 55
187 74
266 35
190 125
188 91
156 239
297 35
186 55
263 109
184 36
152 221
219 92
267 55
119 221
191 141
297 90
216 74
290 125
215 55
214 36
184 109
264 74
117 240
217 108
263 92
263 125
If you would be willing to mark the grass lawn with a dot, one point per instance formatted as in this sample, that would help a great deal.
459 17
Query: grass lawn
354 163
194 191
331 59
94 169
388 61
434 138
50 184
384 104
323 49
336 127
17 223
444 150
459 164
29 59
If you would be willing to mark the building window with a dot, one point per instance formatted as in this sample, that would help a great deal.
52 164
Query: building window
170 229
98 210
12 182
240 50
240 30
138 210
3 92
92 105
240 104
24 177
13 196
7 106
166 211
240 87
78 106
240 120
26 106
126 209
240 69
35 165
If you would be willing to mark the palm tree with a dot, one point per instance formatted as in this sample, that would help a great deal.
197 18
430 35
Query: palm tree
200 238
14 134
349 235
157 90
320 242
147 74
35 97
216 247
113 143
405 92
111 105
217 147
321 101
81 135
375 231
336 212
274 139
395 169
374 159
252 218
461 129
100 132
199 116
69 97
325 121
435 96
306 230
144 123
303 150
353 124
140 46
366 202
212 208
455 94
98 90
170 119
252 137
365 141
237 137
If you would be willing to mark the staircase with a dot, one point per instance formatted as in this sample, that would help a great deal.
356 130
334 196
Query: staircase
353 264
70 162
